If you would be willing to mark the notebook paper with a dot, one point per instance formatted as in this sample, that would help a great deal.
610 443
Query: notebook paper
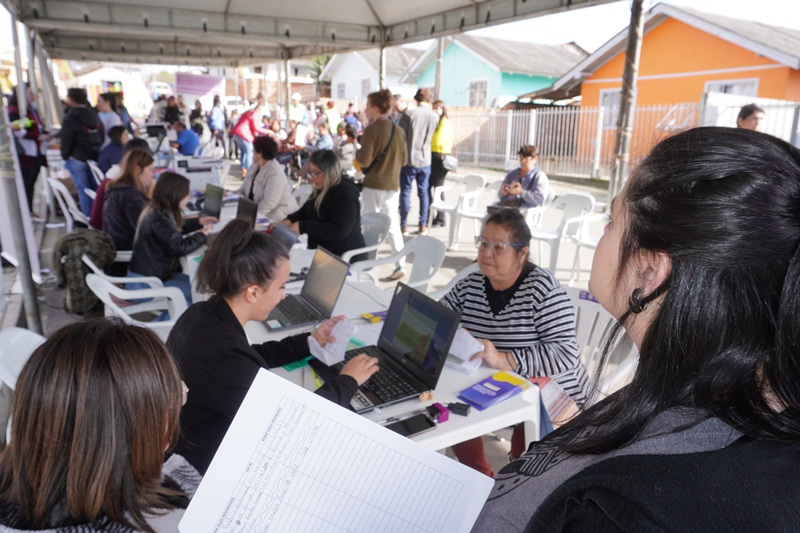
293 461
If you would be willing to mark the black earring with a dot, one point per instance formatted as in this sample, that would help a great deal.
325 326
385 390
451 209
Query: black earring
635 304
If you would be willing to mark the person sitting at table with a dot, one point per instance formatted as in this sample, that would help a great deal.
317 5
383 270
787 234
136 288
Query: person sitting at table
523 318
163 236
266 182
112 153
331 216
706 435
96 218
126 196
525 186
246 272
187 141
94 409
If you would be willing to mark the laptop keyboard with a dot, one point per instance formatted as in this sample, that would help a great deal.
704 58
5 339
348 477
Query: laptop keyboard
386 384
295 312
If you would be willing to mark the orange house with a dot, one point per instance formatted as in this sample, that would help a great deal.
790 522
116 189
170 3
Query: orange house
686 53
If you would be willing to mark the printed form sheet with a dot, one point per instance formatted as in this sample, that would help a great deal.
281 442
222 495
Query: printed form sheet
293 461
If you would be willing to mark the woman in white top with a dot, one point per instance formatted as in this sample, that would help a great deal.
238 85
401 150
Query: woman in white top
266 182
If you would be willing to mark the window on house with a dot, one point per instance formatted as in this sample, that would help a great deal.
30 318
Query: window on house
365 87
610 100
740 87
477 93
340 91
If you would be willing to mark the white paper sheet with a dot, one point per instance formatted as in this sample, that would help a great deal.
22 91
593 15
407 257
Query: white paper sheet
464 366
465 345
293 461
333 352
369 333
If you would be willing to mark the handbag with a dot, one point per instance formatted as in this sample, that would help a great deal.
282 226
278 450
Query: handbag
450 162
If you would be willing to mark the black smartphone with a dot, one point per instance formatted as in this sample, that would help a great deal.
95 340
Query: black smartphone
412 426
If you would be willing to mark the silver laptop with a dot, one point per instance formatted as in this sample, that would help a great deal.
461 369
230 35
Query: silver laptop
317 298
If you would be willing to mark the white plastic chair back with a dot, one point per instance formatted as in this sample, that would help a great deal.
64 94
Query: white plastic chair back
592 326
302 193
67 204
468 205
438 294
170 299
16 347
575 207
428 254
533 215
97 174
375 228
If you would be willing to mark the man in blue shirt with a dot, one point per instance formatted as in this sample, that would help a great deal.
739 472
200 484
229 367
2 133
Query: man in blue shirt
187 142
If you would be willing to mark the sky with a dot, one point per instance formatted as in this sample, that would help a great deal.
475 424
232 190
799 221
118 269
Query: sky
593 26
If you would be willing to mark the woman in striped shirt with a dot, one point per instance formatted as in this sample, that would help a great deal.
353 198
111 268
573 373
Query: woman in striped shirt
523 318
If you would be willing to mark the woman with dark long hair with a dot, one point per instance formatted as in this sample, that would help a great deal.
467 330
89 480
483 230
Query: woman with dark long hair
163 236
700 264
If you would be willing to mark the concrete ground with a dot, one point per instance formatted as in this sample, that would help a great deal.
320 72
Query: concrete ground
51 298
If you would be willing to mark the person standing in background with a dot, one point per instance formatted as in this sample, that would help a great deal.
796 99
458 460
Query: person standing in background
382 154
419 125
81 139
441 146
107 115
28 134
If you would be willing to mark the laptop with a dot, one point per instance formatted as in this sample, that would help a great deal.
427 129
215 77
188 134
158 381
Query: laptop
247 209
412 349
318 296
285 236
212 201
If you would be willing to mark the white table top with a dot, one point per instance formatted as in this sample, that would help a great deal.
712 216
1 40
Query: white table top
357 298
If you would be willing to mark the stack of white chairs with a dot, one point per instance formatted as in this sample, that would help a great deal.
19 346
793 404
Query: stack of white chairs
428 255
576 207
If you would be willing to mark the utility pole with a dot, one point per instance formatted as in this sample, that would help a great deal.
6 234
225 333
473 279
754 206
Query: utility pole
627 104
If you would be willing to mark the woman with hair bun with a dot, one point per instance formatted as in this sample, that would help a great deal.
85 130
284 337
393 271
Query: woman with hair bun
245 271
700 263
94 410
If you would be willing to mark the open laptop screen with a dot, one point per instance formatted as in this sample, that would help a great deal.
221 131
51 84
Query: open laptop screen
212 204
324 281
418 331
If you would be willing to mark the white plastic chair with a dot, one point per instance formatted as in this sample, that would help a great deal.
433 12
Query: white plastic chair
302 193
474 188
16 347
592 326
576 206
123 256
90 193
428 254
440 204
96 172
170 299
583 240
375 228
533 215
438 294
67 204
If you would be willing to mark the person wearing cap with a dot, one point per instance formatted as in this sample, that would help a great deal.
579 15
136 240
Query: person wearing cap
297 111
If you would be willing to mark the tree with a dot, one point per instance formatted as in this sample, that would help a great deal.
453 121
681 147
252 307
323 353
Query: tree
315 69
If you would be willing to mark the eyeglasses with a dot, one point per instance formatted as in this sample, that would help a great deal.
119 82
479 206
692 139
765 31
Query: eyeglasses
316 173
497 247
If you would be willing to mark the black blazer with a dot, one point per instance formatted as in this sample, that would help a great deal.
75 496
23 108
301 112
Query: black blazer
159 244
219 365
337 227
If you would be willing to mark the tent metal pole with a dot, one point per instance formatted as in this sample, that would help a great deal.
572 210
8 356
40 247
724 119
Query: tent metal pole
437 90
382 69
287 93
622 146
9 168
22 103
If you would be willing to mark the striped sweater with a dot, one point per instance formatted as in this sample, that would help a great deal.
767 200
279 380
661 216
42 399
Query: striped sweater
537 326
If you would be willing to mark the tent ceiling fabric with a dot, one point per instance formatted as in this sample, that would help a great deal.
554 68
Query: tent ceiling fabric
240 32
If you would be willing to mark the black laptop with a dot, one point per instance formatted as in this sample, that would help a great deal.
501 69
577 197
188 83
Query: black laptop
318 296
212 201
247 209
412 349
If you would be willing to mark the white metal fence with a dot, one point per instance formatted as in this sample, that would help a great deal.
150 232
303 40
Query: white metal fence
579 141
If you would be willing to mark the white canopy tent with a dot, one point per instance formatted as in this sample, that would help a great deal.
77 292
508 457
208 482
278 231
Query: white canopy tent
241 32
